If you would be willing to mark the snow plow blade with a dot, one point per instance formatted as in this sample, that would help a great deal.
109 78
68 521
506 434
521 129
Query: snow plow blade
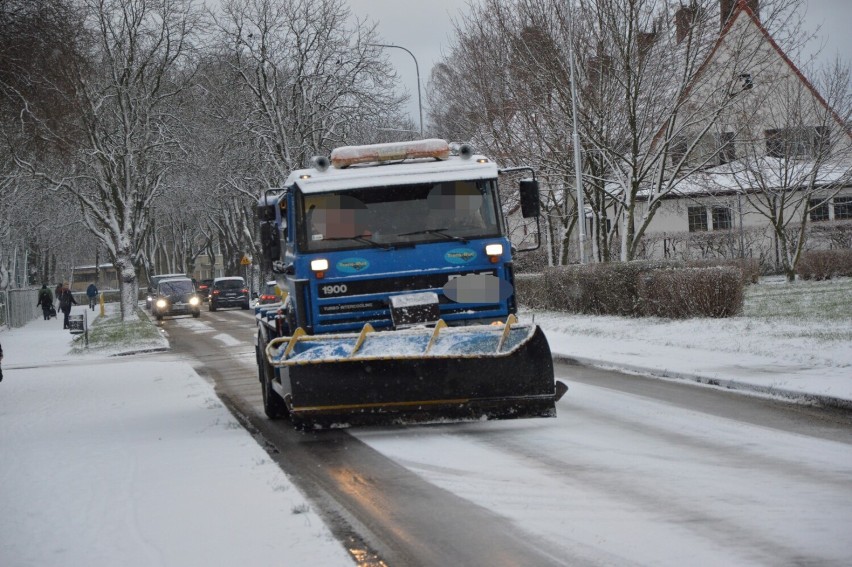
426 374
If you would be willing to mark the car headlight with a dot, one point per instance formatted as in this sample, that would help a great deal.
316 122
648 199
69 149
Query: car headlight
161 303
193 301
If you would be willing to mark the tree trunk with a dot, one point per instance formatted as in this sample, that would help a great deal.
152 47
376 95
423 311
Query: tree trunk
128 285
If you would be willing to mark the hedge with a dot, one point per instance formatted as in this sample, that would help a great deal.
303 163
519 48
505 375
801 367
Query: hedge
825 264
642 288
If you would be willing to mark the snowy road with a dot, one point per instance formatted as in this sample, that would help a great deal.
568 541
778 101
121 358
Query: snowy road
632 472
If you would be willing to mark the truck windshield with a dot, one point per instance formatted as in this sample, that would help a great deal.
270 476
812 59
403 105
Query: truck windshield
398 215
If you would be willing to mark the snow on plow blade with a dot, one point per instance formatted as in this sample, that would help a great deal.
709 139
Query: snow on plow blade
497 372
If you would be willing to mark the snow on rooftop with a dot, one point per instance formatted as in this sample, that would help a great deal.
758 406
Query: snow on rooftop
769 173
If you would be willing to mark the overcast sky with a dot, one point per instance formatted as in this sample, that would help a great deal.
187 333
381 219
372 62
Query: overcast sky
424 28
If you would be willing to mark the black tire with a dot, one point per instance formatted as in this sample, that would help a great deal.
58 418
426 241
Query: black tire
212 306
273 406
159 317
196 314
246 306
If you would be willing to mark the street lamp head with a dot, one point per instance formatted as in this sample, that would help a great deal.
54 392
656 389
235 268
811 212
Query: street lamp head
417 69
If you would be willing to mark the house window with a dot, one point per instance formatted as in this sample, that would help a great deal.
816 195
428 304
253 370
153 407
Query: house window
842 208
697 217
721 218
797 142
727 149
818 209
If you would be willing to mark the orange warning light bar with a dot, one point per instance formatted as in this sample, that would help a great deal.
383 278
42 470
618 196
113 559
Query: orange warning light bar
350 155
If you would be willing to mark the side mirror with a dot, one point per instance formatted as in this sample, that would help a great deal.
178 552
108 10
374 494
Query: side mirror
266 213
270 242
530 207
279 267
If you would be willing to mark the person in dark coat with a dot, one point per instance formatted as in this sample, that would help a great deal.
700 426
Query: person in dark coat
45 301
66 300
1 360
92 294
56 293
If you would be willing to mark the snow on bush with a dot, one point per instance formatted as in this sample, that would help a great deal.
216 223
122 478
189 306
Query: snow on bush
692 292
825 264
635 289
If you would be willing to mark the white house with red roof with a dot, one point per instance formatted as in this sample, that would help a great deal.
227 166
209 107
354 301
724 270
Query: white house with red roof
775 174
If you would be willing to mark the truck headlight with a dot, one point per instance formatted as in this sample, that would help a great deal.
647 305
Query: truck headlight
161 303
494 251
319 266
193 301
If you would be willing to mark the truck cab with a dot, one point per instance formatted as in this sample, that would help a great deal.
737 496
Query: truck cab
391 242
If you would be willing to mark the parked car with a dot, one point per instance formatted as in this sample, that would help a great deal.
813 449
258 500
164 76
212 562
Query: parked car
204 289
271 294
229 292
152 286
176 296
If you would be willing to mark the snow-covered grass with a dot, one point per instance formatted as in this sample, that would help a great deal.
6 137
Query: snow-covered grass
110 335
790 339
821 301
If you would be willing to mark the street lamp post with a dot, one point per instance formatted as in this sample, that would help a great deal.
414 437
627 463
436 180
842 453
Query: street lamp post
417 69
578 172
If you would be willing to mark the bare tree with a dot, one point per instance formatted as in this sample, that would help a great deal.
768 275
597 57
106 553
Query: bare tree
36 39
650 92
310 76
136 63
505 87
659 83
796 155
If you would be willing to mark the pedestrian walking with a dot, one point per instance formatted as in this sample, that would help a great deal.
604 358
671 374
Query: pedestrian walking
56 293
66 300
1 360
45 301
92 294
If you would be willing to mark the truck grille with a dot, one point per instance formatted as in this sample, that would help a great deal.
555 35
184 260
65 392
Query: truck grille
391 285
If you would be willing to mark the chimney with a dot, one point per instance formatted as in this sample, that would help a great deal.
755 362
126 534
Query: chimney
727 8
683 21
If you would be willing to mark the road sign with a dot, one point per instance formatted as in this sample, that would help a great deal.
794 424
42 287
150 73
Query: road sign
246 261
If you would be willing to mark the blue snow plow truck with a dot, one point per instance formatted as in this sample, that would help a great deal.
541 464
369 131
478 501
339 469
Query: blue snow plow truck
396 279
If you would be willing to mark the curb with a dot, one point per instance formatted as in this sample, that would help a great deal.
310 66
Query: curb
733 385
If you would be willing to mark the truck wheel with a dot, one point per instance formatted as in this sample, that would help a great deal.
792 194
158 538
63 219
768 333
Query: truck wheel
212 307
273 405
196 314
159 317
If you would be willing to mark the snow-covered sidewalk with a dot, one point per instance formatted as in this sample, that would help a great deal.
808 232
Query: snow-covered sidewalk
134 461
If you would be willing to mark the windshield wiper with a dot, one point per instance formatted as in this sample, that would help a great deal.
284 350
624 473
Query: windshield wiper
363 239
439 232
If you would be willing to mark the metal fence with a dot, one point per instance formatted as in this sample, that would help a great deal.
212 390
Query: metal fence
18 307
